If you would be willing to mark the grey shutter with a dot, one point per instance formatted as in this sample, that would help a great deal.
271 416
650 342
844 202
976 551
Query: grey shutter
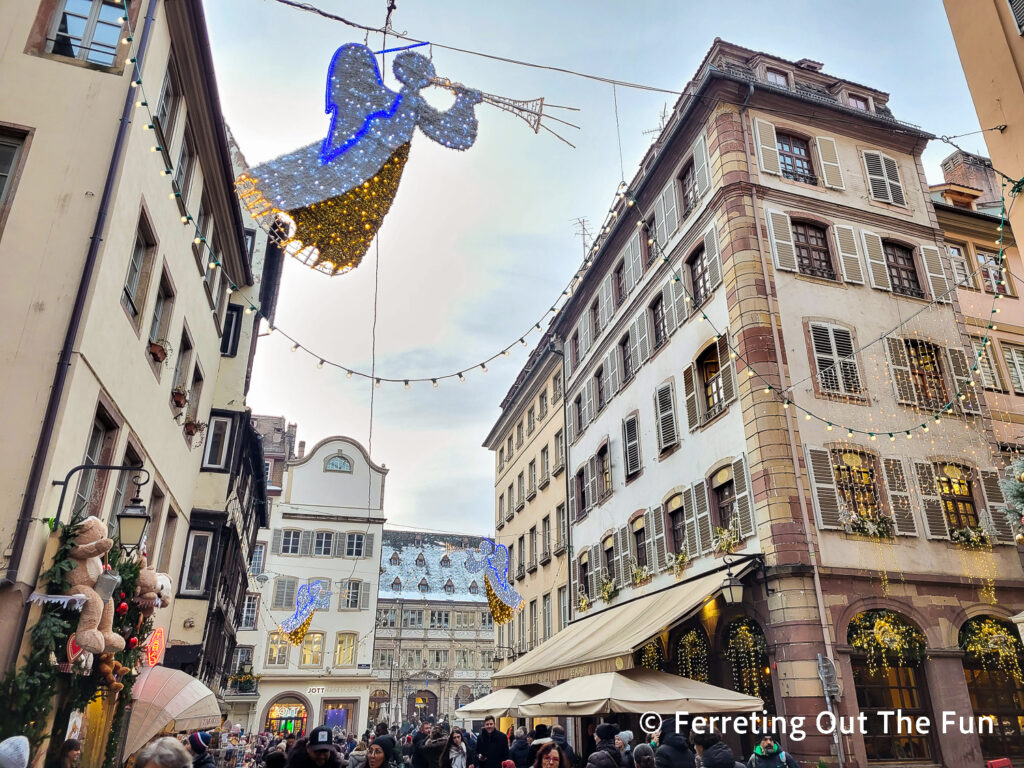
275 541
931 505
653 558
831 171
575 586
995 503
679 297
780 235
595 570
690 378
338 545
823 488
847 360
660 542
714 257
631 445
368 545
726 368
589 405
700 495
960 371
878 184
570 423
643 339
572 499
899 371
892 175
604 302
670 221
826 360
584 331
690 521
936 275
875 254
634 263
1012 357
626 556
364 595
849 258
664 409
280 590
634 348
701 165
614 375
898 490
670 308
306 543
589 485
767 146
744 497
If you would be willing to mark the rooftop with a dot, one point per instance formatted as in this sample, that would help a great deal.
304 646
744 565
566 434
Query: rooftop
415 557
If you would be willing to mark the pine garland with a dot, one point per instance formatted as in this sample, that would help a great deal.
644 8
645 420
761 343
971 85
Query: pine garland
882 633
1013 490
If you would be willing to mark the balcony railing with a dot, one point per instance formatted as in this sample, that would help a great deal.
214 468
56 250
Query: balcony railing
545 556
245 688
531 564
545 479
520 572
559 546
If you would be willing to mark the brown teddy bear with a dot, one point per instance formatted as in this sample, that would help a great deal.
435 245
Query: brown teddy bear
95 624
151 592
110 669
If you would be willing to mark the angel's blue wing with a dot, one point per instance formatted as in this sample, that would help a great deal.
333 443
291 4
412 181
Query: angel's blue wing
356 96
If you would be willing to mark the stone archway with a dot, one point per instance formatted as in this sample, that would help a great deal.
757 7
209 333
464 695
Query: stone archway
289 712
421 704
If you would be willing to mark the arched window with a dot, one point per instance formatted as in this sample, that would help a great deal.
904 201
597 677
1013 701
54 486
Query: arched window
396 585
345 650
692 656
446 561
423 586
887 675
421 561
899 260
747 652
395 559
338 463
994 668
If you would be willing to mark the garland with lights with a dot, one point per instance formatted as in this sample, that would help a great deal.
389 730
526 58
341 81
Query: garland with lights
881 634
651 656
994 646
1013 491
692 656
747 651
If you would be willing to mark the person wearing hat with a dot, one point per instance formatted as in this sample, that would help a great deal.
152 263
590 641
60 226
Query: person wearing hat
673 747
274 759
605 755
316 751
769 754
541 736
199 746
14 752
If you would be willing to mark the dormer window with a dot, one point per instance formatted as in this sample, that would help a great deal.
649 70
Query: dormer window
858 102
473 588
395 559
423 586
449 587
421 561
777 77
396 585
446 561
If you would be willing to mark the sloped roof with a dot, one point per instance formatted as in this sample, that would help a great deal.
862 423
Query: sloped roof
433 547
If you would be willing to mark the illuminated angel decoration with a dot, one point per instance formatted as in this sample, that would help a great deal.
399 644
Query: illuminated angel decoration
311 597
492 560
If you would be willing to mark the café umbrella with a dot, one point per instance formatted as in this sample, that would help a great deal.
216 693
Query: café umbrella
501 703
161 695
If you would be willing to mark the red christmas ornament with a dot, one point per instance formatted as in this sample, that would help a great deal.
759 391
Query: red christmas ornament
122 609
133 642
122 595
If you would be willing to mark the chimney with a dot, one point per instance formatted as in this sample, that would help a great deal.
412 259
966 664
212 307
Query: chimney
302 449
810 64
972 171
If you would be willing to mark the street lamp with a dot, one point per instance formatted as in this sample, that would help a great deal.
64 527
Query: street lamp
132 522
732 588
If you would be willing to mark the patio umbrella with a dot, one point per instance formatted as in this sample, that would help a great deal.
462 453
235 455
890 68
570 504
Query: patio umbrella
635 690
161 695
501 703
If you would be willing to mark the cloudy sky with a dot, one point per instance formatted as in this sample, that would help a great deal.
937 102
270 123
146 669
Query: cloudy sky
479 244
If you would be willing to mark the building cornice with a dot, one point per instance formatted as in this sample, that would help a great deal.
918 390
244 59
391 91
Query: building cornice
350 440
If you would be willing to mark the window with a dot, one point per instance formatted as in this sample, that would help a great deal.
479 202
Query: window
884 178
386 618
170 99
574 349
135 282
323 543
580 487
577 413
277 650
10 151
345 650
955 492
987 365
465 620
631 446
338 464
795 158
241 656
562 522
87 30
776 77
961 270
446 562
423 586
545 464
659 321
259 554
194 393
533 622
249 610
700 282
182 363
508 448
627 358
688 180
531 420
197 561
595 319
383 658
521 551
677 522
725 503
232 330
184 168
619 283
542 405
511 501
290 542
858 102
437 658
440 619
473 588
267 466
521 487
486 621
217 440
563 608
161 309
167 543
519 435
559 449
204 233
902 271
608 553
412 618
352 595
533 545
926 374
640 542
601 388
603 470
898 687
856 476
354 544
835 360
421 561
285 589
395 559
414 658
546 611
992 276
312 650
532 469
99 438
501 508
545 534
1014 357
131 458
812 254
396 585
710 370
449 587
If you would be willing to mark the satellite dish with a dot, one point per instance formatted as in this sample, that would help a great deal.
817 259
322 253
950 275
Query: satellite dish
262 579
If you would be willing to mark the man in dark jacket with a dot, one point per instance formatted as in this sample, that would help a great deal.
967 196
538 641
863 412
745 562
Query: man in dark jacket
673 750
394 754
589 742
606 755
491 746
769 754
317 751
519 749
421 734
714 753
542 737
199 746
558 736
429 749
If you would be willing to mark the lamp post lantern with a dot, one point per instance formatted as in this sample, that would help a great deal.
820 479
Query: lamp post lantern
132 522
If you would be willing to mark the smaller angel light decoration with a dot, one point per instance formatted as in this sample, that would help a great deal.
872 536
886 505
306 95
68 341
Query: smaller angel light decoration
311 597
492 560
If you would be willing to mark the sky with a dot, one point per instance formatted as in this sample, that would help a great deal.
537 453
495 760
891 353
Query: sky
479 244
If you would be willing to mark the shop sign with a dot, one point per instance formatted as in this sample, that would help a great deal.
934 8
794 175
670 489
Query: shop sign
314 689
155 646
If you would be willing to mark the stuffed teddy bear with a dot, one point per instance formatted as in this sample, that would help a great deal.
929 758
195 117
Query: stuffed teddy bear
153 589
95 624
110 669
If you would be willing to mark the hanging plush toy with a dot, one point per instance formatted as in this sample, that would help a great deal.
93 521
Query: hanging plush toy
152 590
90 579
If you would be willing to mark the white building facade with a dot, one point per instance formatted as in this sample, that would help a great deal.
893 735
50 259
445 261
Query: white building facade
326 527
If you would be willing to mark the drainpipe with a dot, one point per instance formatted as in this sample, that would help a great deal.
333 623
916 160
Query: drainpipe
78 310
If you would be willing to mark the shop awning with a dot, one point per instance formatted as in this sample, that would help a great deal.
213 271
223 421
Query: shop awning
500 703
161 695
636 690
605 641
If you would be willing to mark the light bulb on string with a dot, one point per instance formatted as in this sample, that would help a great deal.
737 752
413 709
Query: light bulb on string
320 363
348 374
406 383
295 347
461 377
483 367
376 384
434 382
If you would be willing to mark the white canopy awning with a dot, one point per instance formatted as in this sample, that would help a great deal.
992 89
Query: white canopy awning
161 695
636 690
501 703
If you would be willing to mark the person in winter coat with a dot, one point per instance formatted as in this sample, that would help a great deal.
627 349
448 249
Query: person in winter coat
274 758
456 753
431 748
673 749
541 736
491 746
550 755
421 734
378 754
769 754
394 748
589 742
167 752
558 736
624 743
316 751
643 756
357 757
714 753
199 746
519 750
605 755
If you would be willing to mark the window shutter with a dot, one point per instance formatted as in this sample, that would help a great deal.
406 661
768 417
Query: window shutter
892 175
899 371
570 424
744 497
931 505
631 445
995 504
584 331
634 266
961 272
275 541
589 408
595 569
643 339
899 497
289 593
823 488
670 308
989 373
713 256
700 494
589 485
849 258
962 381
604 302
767 146
567 360
611 365
690 521
306 543
701 165
364 596
780 234
338 546
664 410
877 269
689 386
634 347
936 275
657 518
679 298
575 585
572 505
1015 365
826 361
849 374
625 555
368 545
726 366
280 590
831 171
878 184
667 218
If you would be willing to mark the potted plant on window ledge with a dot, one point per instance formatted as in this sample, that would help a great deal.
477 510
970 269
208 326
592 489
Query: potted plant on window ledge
608 589
678 563
584 602
193 426
642 574
159 350
727 540
179 396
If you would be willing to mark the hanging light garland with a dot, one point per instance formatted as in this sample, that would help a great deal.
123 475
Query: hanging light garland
885 636
692 657
747 651
651 656
994 646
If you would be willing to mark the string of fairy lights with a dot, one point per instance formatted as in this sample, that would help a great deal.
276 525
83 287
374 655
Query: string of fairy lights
645 224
